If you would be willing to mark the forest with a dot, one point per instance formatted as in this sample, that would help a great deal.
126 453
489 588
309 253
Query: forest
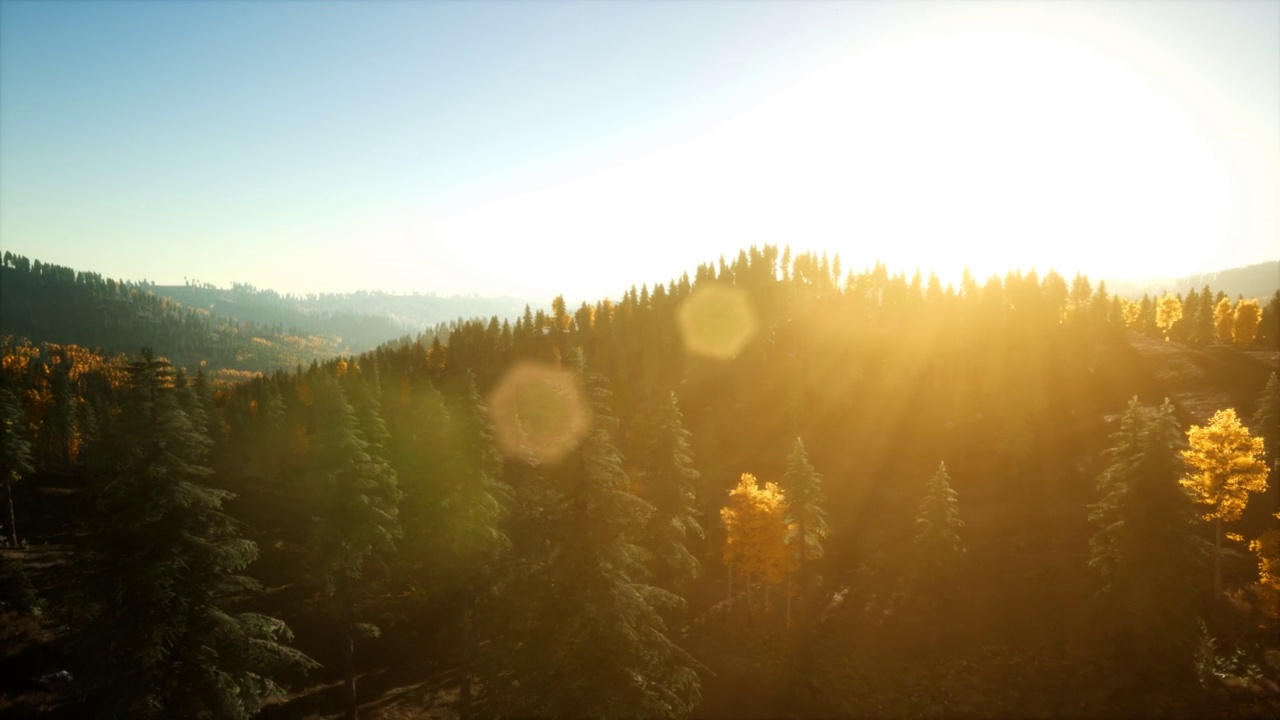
777 488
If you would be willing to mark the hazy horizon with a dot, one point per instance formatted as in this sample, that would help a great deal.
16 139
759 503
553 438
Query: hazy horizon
537 149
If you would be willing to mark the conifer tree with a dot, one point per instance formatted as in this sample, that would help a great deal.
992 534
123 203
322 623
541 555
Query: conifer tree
802 487
1266 419
937 546
1224 463
356 513
669 482
1145 549
583 636
160 565
15 454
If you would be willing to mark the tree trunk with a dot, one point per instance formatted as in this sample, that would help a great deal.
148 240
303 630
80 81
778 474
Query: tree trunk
730 587
348 654
1217 556
13 523
789 599
464 667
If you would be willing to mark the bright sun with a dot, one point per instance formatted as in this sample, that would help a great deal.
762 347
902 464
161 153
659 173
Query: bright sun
982 149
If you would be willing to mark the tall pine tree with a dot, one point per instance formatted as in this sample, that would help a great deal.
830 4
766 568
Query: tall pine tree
159 568
1145 551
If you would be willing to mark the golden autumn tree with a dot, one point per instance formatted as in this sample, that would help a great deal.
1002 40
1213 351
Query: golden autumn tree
1168 312
1224 464
1244 325
1223 319
1267 548
755 546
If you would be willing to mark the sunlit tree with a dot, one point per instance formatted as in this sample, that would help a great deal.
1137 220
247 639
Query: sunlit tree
756 532
1144 548
1224 319
1224 464
1244 325
1168 312
1267 548
936 547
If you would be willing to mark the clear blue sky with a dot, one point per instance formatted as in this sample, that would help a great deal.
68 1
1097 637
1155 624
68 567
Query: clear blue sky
540 147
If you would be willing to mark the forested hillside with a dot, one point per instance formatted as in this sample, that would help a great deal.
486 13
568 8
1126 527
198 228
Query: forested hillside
51 303
775 488
360 320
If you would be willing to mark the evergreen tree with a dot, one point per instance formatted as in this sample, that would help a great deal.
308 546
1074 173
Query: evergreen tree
15 453
160 567
356 516
1266 420
937 547
802 487
583 636
1145 550
669 482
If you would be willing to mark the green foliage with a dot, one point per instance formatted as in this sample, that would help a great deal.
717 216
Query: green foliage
161 564
1144 551
1266 418
802 487
937 548
669 481
582 636
15 455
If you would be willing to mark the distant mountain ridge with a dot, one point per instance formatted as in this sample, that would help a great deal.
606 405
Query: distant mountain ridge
240 330
361 319
1261 280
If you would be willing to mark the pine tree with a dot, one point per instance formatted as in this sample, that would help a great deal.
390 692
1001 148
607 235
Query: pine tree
1145 549
937 547
1224 463
158 570
356 515
802 487
669 482
583 636
476 505
15 453
1266 419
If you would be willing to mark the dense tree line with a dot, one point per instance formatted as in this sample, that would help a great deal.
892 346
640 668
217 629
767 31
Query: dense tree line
548 505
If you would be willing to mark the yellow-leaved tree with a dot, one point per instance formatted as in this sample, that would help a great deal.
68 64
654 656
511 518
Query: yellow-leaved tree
1223 319
1244 325
755 546
1168 312
1224 464
1267 548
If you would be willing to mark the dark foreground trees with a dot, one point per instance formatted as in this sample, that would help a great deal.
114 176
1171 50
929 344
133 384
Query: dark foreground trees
1145 551
160 569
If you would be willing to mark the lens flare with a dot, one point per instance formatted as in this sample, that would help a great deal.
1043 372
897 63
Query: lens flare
716 321
538 413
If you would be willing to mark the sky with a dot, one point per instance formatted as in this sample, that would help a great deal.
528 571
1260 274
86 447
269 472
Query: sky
537 148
